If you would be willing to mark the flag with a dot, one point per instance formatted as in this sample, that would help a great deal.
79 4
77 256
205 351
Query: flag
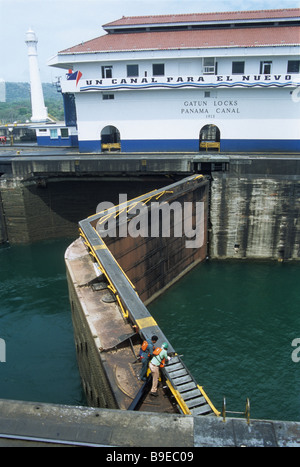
75 76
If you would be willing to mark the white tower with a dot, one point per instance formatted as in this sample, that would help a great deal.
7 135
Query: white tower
39 111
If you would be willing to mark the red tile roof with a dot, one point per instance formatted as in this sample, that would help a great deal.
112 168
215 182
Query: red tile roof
205 17
245 37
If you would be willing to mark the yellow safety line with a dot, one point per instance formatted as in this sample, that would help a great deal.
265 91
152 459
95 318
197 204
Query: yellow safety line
119 212
125 312
123 205
92 253
105 218
146 200
100 247
112 288
146 322
160 195
169 191
129 205
140 196
113 259
216 412
133 205
179 399
124 273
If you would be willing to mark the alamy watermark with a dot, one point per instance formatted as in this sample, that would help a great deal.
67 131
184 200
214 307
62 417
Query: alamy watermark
2 351
155 219
296 94
296 352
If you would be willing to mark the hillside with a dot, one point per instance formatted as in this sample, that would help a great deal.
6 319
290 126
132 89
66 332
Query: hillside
18 105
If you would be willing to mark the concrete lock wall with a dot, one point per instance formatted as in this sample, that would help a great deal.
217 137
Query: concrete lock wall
153 263
41 208
3 234
13 210
94 378
255 211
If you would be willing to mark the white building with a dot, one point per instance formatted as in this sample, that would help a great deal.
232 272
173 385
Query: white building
223 81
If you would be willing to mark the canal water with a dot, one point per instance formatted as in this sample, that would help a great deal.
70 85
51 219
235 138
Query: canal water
233 322
35 323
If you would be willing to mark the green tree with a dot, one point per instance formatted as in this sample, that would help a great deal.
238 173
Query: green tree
18 103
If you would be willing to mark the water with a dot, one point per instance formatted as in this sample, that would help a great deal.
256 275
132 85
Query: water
35 323
234 323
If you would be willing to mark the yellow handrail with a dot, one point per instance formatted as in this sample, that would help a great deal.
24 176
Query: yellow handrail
246 413
179 399
110 285
216 412
212 144
110 146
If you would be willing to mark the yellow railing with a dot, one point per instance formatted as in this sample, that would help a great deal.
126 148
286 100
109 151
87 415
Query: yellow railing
179 399
246 413
215 411
102 269
109 146
129 205
210 145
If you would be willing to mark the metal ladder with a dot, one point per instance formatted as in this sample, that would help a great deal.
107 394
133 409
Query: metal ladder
190 397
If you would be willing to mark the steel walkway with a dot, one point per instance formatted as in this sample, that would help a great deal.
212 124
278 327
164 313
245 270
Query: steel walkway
190 397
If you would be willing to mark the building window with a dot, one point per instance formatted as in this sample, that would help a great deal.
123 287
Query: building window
265 68
53 133
108 97
209 66
293 66
106 71
64 132
132 70
238 68
158 69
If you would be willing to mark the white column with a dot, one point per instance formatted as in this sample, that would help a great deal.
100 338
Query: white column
39 111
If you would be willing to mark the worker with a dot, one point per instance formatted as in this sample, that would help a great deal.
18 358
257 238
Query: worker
158 360
146 352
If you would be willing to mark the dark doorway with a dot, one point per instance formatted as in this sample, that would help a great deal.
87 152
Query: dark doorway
209 138
110 139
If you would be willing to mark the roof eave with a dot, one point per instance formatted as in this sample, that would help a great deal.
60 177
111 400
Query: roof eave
111 27
152 49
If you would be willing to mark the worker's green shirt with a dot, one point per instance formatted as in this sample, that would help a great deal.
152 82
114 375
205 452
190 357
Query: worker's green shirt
157 359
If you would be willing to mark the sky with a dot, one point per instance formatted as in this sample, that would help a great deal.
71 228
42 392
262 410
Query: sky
60 24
